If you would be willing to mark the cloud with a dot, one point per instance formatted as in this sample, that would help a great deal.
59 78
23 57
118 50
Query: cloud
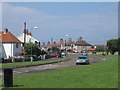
92 26
0 16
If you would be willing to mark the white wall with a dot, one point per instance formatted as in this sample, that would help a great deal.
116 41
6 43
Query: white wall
28 37
16 51
9 49
0 50
80 48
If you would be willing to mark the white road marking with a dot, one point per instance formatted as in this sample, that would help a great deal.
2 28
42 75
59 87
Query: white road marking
16 72
62 62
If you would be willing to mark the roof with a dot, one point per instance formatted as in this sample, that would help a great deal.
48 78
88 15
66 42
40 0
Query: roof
60 43
8 37
82 43
69 43
91 49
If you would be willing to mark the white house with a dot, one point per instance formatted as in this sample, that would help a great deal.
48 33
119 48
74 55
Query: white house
10 45
26 37
81 45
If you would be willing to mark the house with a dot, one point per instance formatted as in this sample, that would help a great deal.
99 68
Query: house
10 45
70 45
26 37
45 47
77 46
61 44
82 45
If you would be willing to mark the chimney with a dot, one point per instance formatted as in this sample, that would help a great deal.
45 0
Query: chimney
5 30
61 40
43 43
48 43
54 42
25 28
30 34
25 25
69 40
80 39
27 32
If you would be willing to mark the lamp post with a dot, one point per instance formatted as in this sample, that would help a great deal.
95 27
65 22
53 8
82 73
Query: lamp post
65 42
24 45
31 58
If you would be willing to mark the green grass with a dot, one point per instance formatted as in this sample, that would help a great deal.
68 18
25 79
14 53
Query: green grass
107 56
24 64
100 75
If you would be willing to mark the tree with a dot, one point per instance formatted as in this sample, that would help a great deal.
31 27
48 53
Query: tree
112 45
100 48
34 47
55 49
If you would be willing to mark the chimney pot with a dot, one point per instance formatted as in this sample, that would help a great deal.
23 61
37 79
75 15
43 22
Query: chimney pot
5 30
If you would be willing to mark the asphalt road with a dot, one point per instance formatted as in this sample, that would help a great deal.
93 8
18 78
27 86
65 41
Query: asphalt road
48 67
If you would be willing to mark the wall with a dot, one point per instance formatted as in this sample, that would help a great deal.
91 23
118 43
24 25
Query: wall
28 37
16 51
0 50
80 48
9 49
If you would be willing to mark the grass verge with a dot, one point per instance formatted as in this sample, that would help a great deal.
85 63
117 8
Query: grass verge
28 64
99 75
107 56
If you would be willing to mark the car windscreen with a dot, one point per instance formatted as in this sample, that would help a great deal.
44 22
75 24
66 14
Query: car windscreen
81 57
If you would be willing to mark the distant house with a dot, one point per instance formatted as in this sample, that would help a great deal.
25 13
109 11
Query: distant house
10 45
45 47
61 44
70 45
82 45
77 46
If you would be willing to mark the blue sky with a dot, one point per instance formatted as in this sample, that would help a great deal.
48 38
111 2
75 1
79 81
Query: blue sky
95 22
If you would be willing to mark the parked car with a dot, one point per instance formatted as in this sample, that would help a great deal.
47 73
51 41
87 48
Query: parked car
55 54
85 53
63 53
82 60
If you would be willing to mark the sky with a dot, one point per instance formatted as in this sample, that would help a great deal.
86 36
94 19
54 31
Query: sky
96 22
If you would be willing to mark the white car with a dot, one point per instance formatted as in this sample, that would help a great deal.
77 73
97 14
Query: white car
82 60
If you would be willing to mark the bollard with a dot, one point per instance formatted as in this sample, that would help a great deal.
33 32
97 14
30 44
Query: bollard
8 77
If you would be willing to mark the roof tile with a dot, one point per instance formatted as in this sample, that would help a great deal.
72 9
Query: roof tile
8 37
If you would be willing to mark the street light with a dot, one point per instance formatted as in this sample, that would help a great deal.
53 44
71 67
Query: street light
65 41
31 58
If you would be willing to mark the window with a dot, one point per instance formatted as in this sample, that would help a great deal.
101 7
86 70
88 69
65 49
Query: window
17 45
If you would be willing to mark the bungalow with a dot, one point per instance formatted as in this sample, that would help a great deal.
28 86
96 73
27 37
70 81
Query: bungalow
10 45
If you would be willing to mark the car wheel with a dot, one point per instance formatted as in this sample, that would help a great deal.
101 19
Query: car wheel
88 63
76 63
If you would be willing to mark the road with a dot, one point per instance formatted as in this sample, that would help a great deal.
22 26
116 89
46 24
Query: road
48 67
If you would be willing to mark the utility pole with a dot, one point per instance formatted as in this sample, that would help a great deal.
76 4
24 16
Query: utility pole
25 27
